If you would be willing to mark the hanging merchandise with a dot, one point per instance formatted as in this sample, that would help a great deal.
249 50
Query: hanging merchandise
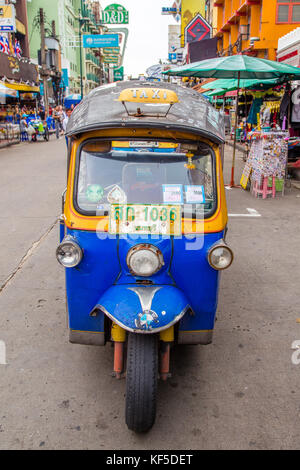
266 163
295 116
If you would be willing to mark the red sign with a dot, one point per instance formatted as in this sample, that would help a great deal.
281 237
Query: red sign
197 29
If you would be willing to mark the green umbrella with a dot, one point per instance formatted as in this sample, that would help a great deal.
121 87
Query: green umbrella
235 66
217 92
232 84
239 67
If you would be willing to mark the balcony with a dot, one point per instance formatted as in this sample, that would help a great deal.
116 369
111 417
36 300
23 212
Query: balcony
93 78
91 58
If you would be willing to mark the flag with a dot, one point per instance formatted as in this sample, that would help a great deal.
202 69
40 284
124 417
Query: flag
2 44
11 47
18 50
6 46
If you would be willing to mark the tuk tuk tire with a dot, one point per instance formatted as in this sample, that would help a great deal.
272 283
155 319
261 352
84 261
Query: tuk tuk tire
46 135
141 381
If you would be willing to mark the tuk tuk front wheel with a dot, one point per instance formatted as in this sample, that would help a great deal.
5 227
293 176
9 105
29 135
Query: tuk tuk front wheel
141 381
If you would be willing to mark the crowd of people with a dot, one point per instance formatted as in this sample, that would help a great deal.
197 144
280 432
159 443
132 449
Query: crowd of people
32 119
59 115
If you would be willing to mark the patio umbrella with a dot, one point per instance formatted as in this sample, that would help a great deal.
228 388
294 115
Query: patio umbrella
72 99
232 84
235 66
239 67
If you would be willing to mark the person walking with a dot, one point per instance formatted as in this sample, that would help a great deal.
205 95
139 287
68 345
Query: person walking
65 122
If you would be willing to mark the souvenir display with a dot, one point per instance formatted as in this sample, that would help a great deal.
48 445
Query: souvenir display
266 162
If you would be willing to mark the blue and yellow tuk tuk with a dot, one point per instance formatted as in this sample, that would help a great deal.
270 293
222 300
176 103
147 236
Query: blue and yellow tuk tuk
143 229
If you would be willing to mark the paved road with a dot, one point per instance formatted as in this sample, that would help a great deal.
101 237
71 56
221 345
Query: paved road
240 392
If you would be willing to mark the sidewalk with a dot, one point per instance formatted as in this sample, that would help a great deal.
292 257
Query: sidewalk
239 146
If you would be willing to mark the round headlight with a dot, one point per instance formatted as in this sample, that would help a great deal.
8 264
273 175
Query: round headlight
69 253
220 256
144 260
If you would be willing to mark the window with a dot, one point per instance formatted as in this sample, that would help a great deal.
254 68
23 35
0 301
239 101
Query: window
288 11
144 173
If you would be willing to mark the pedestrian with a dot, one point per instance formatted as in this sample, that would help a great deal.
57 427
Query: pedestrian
57 120
26 129
65 122
42 113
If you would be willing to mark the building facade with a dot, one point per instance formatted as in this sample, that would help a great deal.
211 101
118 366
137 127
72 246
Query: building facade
76 67
253 26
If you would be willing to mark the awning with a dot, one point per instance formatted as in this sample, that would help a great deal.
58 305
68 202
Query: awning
22 87
20 27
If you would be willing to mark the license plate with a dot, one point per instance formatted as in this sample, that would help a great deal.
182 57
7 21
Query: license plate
145 219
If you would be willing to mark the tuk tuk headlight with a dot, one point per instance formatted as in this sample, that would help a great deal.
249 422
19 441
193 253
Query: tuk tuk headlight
220 256
69 253
144 260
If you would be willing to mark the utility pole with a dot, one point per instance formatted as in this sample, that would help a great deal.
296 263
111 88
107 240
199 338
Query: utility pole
57 74
80 51
43 61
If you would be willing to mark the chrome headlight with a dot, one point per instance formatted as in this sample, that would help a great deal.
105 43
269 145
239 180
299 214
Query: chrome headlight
69 253
144 260
220 256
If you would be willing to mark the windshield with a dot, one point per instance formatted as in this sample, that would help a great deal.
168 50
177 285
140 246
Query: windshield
155 173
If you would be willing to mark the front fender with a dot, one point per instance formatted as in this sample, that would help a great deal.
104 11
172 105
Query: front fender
143 309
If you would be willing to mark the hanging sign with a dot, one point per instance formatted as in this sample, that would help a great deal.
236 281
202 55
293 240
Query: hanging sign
118 74
115 14
7 18
197 30
100 40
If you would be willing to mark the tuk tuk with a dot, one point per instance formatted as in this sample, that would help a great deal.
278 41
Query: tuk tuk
142 232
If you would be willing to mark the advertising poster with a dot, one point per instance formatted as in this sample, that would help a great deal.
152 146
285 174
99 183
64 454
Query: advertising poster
189 9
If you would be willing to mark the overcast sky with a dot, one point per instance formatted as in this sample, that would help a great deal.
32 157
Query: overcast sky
148 33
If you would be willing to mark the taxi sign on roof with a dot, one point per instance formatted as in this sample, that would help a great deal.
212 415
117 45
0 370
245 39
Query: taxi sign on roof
148 95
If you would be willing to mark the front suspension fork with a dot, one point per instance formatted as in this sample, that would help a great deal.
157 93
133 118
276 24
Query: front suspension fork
118 336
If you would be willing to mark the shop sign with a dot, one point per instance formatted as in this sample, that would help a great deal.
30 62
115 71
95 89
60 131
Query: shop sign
174 10
100 40
110 61
7 18
111 50
115 14
13 68
189 9
118 74
197 30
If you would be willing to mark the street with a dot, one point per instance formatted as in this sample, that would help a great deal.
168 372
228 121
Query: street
240 392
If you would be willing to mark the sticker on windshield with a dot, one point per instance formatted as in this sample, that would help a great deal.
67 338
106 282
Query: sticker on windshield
172 193
116 195
194 194
94 192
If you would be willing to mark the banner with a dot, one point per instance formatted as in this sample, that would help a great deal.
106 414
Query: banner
189 9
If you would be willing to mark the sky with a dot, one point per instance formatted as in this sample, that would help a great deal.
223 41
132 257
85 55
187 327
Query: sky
148 33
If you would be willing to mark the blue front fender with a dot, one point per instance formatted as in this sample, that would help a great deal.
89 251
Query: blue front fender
143 309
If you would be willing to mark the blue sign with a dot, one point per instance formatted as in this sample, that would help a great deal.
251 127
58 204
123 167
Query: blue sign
100 40
65 78
172 56
6 28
